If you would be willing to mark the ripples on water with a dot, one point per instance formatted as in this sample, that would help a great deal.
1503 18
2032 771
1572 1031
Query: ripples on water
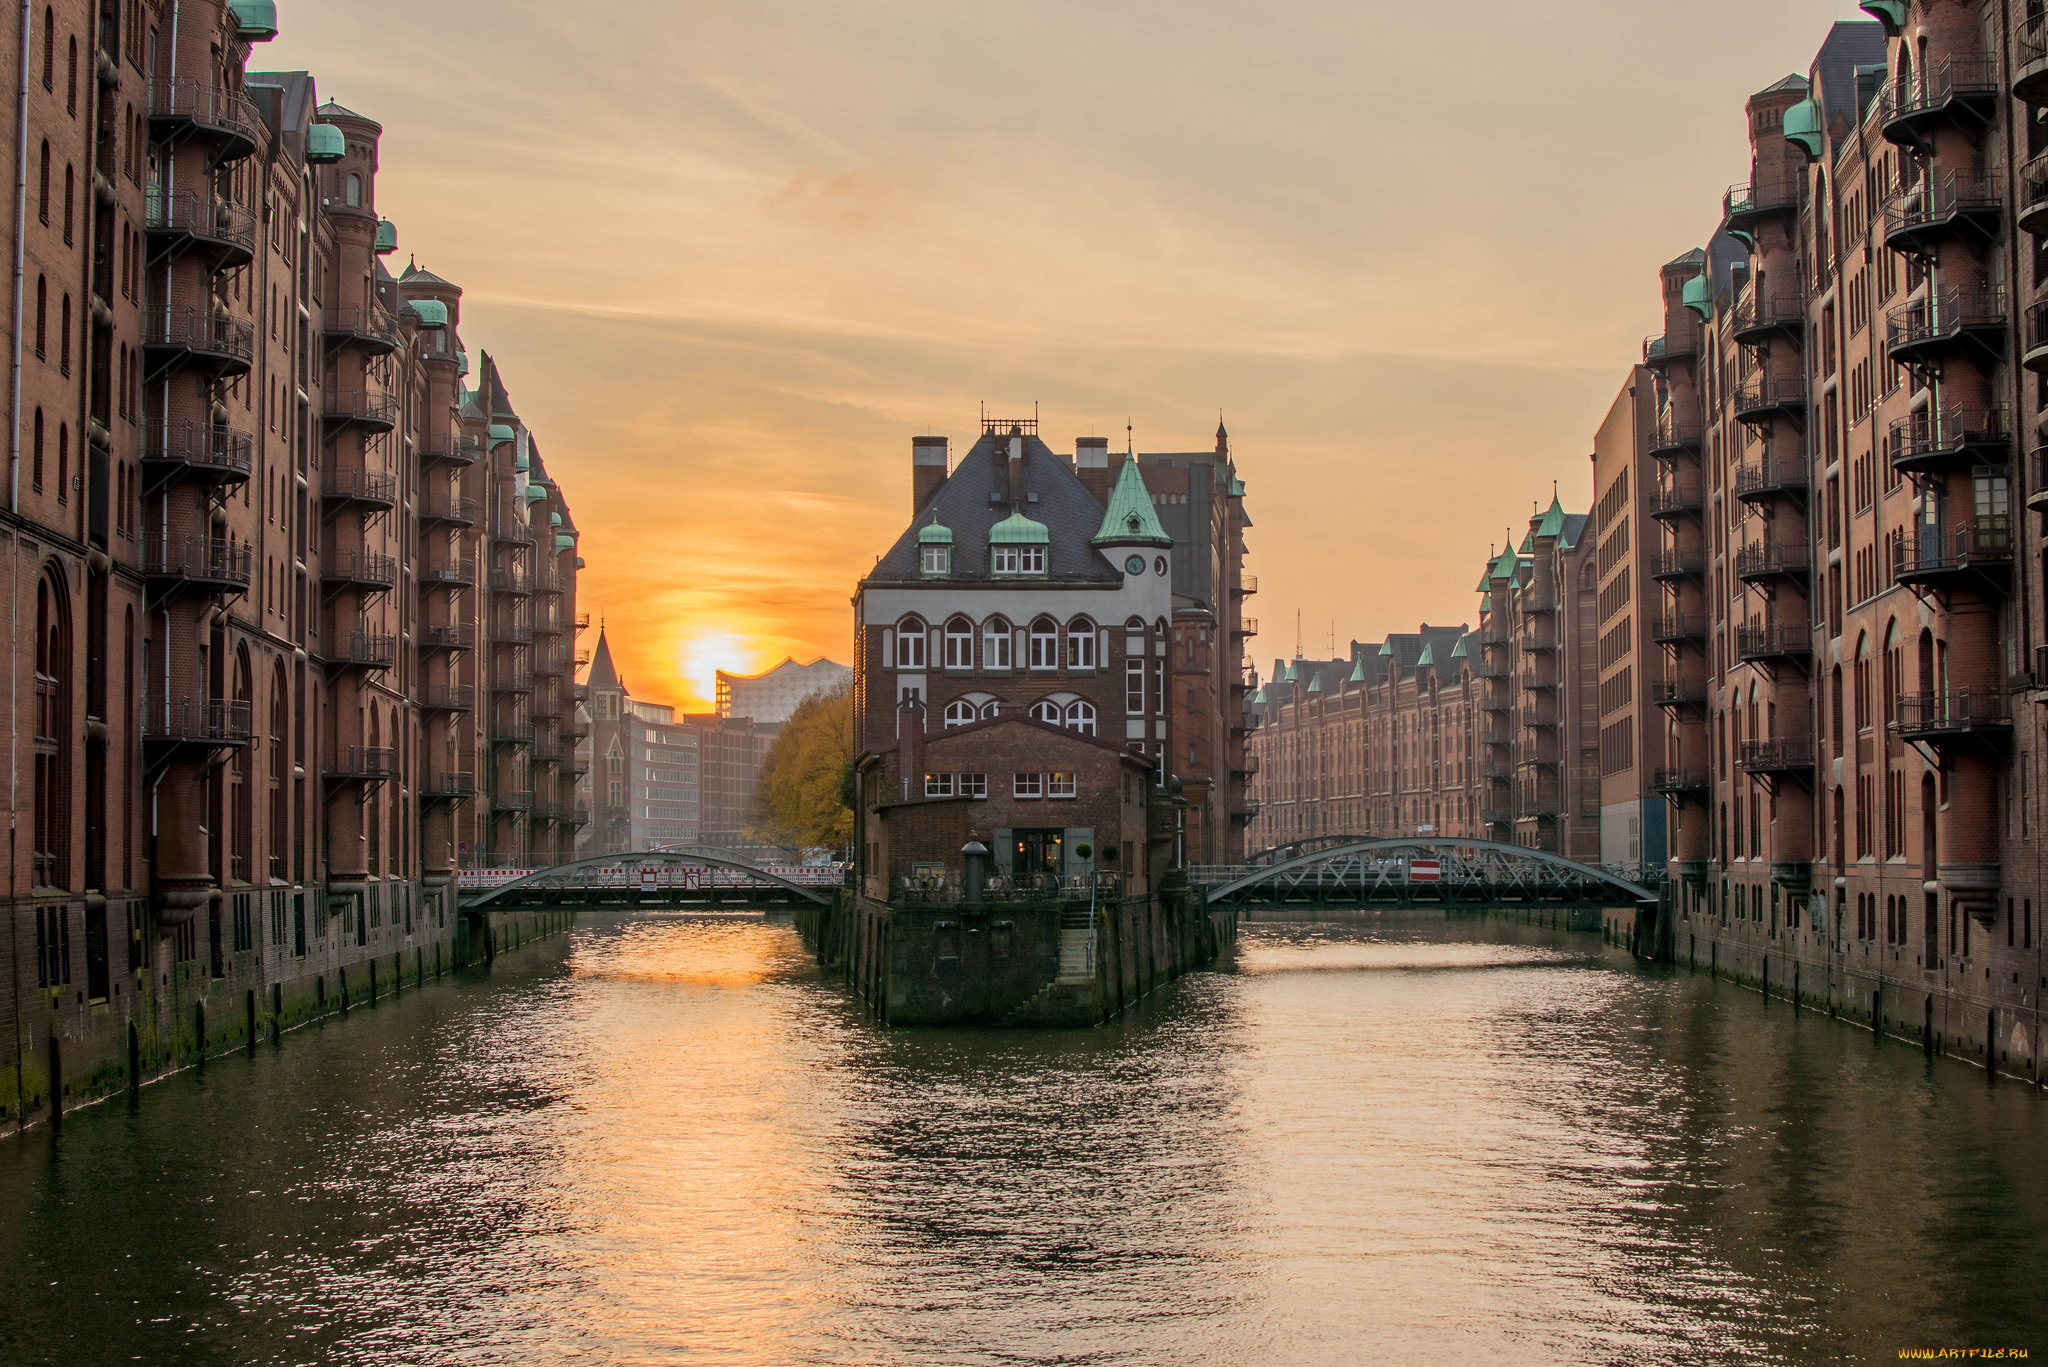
671 1141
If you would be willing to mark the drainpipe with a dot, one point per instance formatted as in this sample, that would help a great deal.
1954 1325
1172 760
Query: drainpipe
14 539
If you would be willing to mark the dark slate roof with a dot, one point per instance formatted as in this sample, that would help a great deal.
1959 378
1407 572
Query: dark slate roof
1574 524
333 109
603 673
1850 43
416 274
1408 645
1793 82
1070 513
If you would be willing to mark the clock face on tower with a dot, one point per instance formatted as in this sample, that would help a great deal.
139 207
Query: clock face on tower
1135 565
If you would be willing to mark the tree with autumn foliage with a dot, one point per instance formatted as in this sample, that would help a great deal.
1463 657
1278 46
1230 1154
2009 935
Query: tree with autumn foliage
805 795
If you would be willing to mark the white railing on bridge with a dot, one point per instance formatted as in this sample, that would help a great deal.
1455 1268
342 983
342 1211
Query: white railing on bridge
659 875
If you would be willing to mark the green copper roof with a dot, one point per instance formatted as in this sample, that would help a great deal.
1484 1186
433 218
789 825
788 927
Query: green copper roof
1018 530
1386 650
1698 294
1357 673
255 20
1129 516
1290 675
932 534
433 313
1428 656
500 434
1458 651
387 237
1553 519
1236 487
325 144
1804 125
566 542
579 562
1315 685
1890 13
1528 543
1260 696
1504 567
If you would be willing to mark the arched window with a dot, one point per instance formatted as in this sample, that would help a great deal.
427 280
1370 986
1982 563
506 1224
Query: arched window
63 462
71 80
36 462
42 317
280 725
991 709
49 47
64 336
959 644
1081 644
995 644
70 201
241 814
1046 711
355 191
52 834
43 186
910 643
1081 717
1045 644
959 713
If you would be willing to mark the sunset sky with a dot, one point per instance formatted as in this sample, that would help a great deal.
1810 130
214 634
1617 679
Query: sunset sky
731 255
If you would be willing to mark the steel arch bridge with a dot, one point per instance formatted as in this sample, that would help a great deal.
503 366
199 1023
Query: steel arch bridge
1473 872
650 880
1278 854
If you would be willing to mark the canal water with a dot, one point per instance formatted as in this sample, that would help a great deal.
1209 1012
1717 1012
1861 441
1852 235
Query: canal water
674 1141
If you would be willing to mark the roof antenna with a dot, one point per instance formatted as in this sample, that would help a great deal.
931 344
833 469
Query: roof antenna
1127 438
1297 633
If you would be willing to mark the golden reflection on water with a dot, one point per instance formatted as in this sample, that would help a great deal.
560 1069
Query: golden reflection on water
672 1141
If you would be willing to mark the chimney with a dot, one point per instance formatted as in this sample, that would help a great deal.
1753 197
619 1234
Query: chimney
1091 462
927 470
1016 440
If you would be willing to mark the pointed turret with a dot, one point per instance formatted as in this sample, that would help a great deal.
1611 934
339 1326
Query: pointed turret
1130 520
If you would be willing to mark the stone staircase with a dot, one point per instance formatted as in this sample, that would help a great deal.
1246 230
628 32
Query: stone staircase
1077 947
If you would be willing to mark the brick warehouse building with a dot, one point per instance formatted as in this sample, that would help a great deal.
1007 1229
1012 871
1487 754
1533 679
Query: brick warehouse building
1023 654
293 600
1818 636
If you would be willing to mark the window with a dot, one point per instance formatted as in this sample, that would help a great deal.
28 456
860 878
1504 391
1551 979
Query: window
1027 785
1045 644
910 644
64 336
1060 785
938 785
1081 644
70 202
43 193
991 709
936 560
1081 717
1017 559
1047 712
995 644
959 713
974 785
959 644
355 192
1134 687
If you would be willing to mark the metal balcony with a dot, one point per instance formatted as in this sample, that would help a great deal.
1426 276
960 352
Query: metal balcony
202 723
455 449
189 222
201 338
582 621
449 787
1678 628
368 488
1962 91
458 575
459 636
1247 585
1661 351
1677 564
511 733
1768 479
366 570
450 509
512 801
1945 323
511 531
2030 62
2037 495
512 681
365 650
512 582
545 708
1246 626
373 329
1975 557
1751 203
2030 209
197 564
1961 717
1777 758
448 698
1676 500
1673 694
2035 339
1774 644
1765 399
370 408
1956 437
1672 436
1958 204
1680 783
211 451
1774 560
548 664
361 763
511 634
181 109
1758 321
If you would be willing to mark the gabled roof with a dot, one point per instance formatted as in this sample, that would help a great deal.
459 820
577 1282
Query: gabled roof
1129 519
976 497
603 674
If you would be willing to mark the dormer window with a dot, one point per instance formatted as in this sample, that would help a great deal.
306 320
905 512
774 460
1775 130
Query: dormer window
936 560
1018 560
935 550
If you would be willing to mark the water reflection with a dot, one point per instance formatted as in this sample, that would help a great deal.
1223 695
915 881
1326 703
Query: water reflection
1382 1142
